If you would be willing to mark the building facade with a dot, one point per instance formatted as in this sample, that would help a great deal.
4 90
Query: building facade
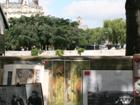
18 8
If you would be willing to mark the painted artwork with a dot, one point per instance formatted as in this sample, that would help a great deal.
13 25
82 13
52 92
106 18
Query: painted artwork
58 83
73 81
24 76
108 87
65 86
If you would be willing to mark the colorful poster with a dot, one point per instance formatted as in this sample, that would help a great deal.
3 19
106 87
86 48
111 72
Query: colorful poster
73 81
56 82
65 81
136 70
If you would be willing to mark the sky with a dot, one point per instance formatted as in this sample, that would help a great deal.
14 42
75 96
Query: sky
92 12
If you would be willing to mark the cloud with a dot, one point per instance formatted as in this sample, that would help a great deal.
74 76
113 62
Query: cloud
93 12
46 4
96 10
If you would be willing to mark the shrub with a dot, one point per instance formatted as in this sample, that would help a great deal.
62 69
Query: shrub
80 50
59 52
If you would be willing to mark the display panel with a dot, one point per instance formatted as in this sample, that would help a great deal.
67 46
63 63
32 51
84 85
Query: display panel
108 87
12 95
34 94
21 94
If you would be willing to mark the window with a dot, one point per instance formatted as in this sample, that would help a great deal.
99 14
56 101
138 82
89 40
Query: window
9 79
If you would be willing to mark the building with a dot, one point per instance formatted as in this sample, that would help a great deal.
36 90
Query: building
17 8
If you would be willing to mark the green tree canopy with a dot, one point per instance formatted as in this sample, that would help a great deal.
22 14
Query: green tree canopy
59 33
42 31
113 31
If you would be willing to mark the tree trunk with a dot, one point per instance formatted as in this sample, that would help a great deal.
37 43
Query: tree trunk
133 27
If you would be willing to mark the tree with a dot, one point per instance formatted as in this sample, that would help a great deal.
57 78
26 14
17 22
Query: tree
115 31
42 32
48 31
133 26
112 31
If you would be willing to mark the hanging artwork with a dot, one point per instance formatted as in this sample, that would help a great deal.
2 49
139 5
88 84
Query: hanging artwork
136 77
30 94
34 94
13 95
65 81
108 87
24 76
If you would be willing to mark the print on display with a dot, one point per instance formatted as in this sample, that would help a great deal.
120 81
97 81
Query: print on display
30 94
136 77
13 95
108 87
34 94
24 76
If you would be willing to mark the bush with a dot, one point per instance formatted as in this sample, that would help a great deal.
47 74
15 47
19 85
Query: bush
34 51
80 50
59 52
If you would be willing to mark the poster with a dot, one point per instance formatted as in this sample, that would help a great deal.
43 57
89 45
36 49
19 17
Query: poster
57 83
13 95
136 67
73 81
65 81
34 94
21 94
24 76
108 87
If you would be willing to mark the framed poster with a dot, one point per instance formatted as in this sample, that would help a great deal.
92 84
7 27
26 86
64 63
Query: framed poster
23 74
108 86
13 95
34 94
